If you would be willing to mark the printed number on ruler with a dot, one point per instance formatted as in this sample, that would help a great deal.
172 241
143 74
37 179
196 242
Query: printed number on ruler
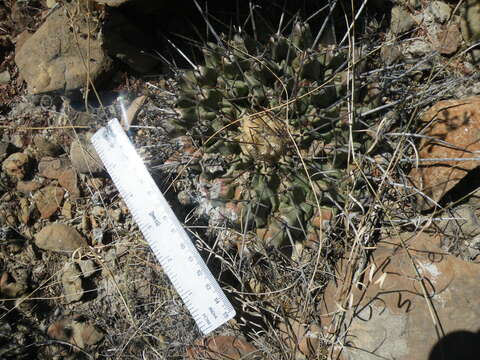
166 236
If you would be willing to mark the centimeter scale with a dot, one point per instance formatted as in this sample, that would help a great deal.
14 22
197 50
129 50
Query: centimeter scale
166 236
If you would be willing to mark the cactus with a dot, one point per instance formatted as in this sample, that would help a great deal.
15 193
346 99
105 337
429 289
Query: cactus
262 108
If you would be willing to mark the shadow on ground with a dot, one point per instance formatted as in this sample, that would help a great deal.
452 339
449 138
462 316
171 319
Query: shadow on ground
459 345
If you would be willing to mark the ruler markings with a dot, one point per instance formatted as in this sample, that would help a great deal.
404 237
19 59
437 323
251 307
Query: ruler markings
167 238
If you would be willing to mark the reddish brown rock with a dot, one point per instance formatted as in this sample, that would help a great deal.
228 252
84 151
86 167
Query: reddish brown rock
52 168
406 302
457 124
222 348
76 330
28 187
59 237
69 181
448 40
48 200
61 169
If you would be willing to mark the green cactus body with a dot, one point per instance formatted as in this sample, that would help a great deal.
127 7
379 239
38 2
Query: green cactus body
257 100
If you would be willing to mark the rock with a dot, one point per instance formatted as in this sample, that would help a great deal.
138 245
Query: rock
461 221
21 39
16 165
88 267
60 238
45 147
25 211
4 77
51 167
84 157
134 108
48 200
401 20
471 21
18 140
28 187
7 217
60 169
448 40
390 54
440 11
69 181
388 316
52 59
11 288
455 122
418 48
67 209
72 283
222 347
461 224
76 330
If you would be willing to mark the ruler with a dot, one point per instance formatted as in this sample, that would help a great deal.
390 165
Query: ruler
166 236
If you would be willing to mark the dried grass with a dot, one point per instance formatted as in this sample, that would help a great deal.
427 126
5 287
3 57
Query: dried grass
266 286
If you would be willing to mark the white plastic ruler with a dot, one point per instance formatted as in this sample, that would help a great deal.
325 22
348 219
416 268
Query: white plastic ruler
172 246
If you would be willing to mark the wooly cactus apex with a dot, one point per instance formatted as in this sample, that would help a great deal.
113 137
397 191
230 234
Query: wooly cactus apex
276 114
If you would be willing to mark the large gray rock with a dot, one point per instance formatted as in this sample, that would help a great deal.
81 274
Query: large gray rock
57 58
390 316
